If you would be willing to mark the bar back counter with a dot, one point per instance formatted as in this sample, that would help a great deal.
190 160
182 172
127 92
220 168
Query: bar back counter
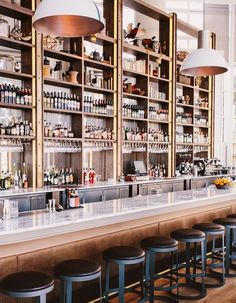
38 240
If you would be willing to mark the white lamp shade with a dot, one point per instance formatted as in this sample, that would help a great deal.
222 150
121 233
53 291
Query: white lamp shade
67 18
203 62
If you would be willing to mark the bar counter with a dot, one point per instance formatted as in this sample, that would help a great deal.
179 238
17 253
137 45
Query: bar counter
42 224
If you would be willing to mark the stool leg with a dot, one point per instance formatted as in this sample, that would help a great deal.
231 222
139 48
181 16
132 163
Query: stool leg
227 261
41 299
147 272
121 283
141 278
107 285
100 288
195 261
187 261
171 268
223 258
203 249
177 273
152 273
68 292
62 291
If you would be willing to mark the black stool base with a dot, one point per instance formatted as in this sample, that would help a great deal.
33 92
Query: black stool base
190 285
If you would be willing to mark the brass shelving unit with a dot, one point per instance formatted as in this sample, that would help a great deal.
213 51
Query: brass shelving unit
110 162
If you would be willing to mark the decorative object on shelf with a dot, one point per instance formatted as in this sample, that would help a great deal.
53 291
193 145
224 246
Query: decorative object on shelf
69 18
7 63
49 42
93 38
151 44
4 28
17 66
137 91
223 183
131 32
72 74
57 71
204 61
47 70
181 55
96 56
17 33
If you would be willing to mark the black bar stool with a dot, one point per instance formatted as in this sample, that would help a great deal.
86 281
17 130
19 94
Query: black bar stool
230 239
214 230
28 284
192 236
77 270
156 245
122 256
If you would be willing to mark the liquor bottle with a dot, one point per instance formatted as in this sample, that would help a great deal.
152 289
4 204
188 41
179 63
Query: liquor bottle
71 177
25 180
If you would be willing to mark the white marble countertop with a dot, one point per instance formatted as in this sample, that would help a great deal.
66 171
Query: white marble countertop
27 191
41 224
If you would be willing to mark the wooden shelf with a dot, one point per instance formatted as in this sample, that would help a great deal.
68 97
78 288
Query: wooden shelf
102 39
14 11
98 90
99 140
134 96
15 75
62 111
158 100
61 55
157 79
201 89
157 142
202 108
159 122
138 142
201 144
16 106
99 115
62 139
135 119
54 82
133 74
201 126
185 105
15 44
185 124
96 64
190 144
185 85
23 138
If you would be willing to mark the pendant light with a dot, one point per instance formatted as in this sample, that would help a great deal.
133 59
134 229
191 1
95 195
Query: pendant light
67 18
204 61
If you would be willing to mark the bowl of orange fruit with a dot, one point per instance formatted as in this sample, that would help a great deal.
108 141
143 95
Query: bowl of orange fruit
223 183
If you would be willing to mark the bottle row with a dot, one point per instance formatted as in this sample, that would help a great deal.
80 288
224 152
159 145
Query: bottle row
133 111
58 177
184 118
199 137
98 106
98 132
11 94
201 120
60 100
14 180
89 176
16 127
57 131
199 101
157 171
158 114
142 134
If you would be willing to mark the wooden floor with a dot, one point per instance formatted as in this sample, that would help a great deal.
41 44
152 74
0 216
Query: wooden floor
224 294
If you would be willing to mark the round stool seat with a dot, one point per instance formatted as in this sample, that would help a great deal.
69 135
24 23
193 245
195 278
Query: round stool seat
209 227
232 216
226 221
76 268
27 281
123 253
187 233
158 242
